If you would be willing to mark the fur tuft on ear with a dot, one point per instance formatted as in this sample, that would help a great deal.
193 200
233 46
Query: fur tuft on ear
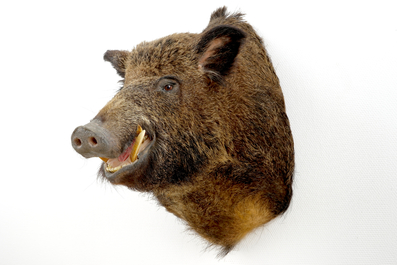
117 59
217 49
222 13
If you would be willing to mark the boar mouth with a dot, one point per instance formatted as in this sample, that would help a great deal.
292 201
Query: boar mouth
132 155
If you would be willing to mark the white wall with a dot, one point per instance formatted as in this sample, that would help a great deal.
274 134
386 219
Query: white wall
337 63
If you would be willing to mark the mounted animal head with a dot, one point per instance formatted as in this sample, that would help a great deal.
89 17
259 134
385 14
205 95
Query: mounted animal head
200 123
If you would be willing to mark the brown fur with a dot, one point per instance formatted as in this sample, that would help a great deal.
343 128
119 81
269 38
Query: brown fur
223 159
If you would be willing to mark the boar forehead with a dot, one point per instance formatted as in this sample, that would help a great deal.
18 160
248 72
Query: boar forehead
171 55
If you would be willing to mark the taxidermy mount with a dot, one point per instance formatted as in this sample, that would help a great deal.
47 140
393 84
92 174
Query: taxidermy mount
199 123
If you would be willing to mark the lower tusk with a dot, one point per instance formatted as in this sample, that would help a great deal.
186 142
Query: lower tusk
139 130
137 145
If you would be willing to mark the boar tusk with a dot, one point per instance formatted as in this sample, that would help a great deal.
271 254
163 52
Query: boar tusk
138 130
104 159
137 145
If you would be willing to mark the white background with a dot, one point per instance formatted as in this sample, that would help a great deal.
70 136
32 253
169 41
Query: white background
337 62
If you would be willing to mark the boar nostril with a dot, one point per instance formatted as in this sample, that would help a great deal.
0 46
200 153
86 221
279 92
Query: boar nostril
92 141
77 142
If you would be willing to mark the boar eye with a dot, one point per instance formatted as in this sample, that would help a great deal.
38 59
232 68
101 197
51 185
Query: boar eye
168 87
169 84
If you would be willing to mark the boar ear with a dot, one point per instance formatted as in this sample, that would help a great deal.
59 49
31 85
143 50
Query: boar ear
217 49
118 60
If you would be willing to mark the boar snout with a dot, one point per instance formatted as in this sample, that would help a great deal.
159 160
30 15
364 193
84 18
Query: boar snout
92 140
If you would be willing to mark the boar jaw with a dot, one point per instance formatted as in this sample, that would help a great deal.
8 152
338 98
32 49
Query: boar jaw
131 157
